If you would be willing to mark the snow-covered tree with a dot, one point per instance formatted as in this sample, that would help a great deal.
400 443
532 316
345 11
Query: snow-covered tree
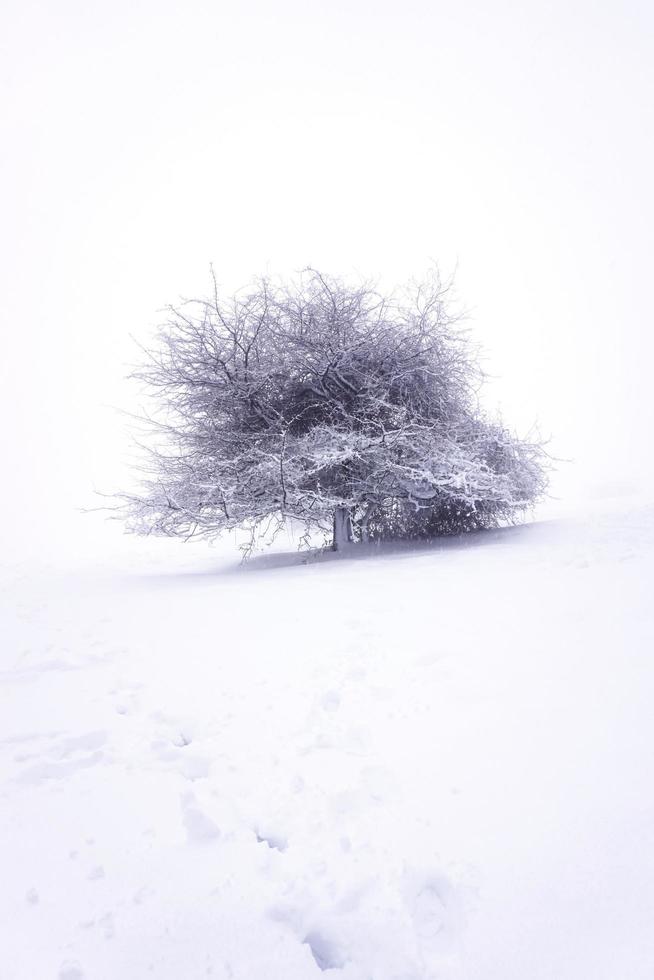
350 411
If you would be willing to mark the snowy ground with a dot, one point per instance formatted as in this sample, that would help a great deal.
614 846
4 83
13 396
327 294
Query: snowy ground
422 764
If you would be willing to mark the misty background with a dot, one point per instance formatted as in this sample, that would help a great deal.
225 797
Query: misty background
144 141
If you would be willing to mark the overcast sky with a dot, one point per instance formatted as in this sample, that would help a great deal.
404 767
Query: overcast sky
144 140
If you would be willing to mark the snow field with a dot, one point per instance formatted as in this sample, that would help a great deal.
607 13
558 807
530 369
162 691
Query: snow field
418 764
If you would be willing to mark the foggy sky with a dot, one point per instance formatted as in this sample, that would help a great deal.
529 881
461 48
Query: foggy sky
144 140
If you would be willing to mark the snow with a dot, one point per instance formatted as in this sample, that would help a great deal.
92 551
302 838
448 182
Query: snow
414 763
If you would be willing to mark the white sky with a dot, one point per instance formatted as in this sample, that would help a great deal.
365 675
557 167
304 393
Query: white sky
144 140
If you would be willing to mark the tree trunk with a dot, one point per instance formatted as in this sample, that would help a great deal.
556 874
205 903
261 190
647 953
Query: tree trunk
342 528
363 524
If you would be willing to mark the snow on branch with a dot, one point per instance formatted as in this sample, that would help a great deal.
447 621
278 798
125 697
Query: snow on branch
318 400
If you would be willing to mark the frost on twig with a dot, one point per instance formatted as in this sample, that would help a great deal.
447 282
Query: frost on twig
349 411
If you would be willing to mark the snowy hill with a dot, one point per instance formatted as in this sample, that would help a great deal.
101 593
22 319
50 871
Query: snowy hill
427 763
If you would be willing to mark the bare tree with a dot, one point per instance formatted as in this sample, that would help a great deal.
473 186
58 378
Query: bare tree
353 412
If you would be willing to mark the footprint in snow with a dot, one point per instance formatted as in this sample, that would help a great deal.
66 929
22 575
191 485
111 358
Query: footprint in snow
330 701
107 925
429 912
200 829
275 840
69 755
66 747
437 910
325 952
172 749
70 971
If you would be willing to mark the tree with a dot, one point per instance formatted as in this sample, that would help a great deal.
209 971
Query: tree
352 412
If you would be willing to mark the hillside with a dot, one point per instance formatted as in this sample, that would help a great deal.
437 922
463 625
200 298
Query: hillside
413 764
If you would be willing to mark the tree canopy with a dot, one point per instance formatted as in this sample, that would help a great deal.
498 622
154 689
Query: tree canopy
351 411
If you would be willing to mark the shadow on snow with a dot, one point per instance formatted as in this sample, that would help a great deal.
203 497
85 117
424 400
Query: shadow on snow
386 550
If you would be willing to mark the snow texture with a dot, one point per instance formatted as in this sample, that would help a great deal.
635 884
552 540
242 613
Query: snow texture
415 764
